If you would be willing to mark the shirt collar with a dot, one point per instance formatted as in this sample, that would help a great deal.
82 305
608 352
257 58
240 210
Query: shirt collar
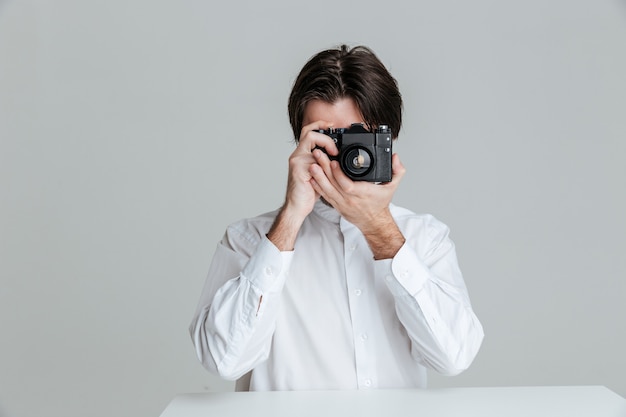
326 212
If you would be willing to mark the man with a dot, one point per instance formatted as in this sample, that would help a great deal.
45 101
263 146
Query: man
339 288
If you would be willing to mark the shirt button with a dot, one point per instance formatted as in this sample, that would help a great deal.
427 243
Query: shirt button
404 274
357 292
364 337
353 246
368 382
268 271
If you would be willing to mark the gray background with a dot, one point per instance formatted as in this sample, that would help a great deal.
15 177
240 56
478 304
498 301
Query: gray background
132 132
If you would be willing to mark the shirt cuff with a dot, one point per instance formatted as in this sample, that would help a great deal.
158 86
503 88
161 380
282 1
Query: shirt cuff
268 266
405 273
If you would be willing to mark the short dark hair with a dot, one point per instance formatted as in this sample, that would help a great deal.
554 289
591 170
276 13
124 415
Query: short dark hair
345 72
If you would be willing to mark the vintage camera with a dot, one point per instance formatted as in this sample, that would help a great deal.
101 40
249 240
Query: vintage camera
363 155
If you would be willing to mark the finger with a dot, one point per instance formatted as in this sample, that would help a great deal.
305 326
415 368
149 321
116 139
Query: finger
327 166
322 159
310 137
344 183
398 170
317 125
313 140
325 186
316 187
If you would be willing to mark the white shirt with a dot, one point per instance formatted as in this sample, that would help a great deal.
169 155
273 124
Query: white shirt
327 315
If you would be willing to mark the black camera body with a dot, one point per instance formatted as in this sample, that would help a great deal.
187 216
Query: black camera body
363 155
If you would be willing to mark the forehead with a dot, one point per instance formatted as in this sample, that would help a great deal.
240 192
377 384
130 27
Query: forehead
341 113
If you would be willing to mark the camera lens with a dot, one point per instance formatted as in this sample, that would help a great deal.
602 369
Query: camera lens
356 161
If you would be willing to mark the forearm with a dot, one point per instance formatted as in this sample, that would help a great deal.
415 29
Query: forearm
234 322
445 333
224 331
383 236
433 306
285 228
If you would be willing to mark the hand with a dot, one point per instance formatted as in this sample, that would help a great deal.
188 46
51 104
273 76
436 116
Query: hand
364 204
301 196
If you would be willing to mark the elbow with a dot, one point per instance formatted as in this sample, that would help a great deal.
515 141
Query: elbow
230 373
452 365
202 346
451 369
223 369
208 347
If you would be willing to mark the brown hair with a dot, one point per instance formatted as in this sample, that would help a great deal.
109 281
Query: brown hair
345 72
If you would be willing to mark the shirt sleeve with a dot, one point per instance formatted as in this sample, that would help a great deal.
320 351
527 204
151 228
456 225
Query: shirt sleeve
235 319
432 303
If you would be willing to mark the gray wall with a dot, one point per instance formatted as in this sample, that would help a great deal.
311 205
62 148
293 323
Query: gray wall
132 132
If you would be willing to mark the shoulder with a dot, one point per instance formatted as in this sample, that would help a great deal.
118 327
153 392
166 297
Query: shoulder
248 232
423 232
426 223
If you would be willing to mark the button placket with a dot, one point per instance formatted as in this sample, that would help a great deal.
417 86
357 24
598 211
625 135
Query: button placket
358 277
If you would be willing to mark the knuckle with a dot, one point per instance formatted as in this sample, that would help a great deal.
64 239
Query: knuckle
349 188
294 162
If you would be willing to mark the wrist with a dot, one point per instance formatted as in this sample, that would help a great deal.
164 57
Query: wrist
285 228
383 237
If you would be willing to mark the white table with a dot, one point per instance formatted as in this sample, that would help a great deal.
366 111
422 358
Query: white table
574 401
